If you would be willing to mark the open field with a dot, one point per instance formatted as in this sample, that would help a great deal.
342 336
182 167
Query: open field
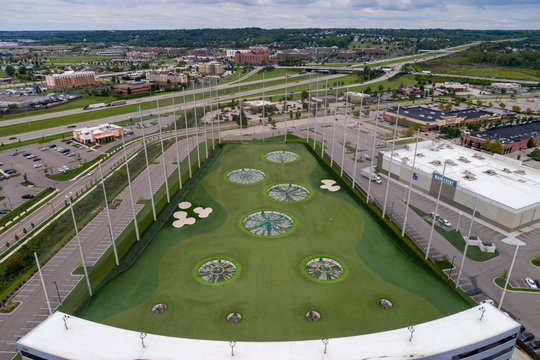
76 59
272 291
457 64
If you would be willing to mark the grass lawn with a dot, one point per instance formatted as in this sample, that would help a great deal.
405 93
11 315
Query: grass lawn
271 292
401 81
456 239
76 59
268 74
457 64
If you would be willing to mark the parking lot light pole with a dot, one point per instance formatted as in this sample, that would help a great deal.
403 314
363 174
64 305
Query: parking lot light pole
108 214
187 134
357 145
390 164
509 274
163 155
130 190
43 283
373 149
176 144
410 184
148 169
435 213
80 245
466 244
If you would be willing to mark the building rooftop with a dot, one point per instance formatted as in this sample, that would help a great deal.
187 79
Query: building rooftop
431 114
98 128
498 178
89 340
511 133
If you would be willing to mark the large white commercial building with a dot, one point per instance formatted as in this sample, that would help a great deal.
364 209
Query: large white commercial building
508 193
480 333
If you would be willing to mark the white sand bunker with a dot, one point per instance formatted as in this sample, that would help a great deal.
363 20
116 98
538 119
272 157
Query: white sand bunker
184 205
328 184
182 219
203 212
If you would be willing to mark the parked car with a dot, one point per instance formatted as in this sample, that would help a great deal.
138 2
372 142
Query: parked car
1 163
526 336
90 173
37 166
531 283
14 153
37 159
70 154
534 344
488 301
473 291
31 156
445 222
434 216
13 138
26 154
367 157
52 146
9 171
3 212
27 196
45 148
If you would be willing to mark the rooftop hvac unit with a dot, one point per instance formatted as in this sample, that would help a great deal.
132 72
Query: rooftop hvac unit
507 170
469 177
436 162
420 155
520 172
491 172
463 159
478 156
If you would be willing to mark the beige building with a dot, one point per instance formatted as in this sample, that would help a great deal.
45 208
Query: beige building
71 79
167 78
211 68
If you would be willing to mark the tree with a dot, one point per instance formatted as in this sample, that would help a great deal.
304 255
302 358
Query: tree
516 108
530 143
487 145
502 105
242 115
129 91
528 111
22 70
535 153
479 102
497 147
10 70
305 95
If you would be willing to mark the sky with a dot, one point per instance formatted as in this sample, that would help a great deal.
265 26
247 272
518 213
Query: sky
190 14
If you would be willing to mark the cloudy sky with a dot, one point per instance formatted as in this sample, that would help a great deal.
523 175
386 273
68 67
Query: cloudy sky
179 14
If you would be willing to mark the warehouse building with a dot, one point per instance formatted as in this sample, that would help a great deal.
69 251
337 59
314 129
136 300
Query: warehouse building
508 193
512 137
432 119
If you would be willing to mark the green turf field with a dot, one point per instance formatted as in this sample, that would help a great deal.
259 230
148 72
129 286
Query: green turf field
272 292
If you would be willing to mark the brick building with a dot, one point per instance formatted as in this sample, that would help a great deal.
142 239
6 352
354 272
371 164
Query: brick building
133 87
211 68
512 137
71 79
167 78
252 57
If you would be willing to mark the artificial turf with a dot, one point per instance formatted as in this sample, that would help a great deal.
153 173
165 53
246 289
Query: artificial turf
272 293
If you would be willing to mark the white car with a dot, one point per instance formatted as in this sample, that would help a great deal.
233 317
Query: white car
445 222
488 301
90 173
531 283
37 166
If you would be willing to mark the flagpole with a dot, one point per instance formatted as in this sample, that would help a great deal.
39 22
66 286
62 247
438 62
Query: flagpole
163 156
357 143
187 134
178 160
390 166
148 168
130 189
373 148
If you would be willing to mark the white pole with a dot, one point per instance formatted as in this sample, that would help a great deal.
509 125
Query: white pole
286 113
204 122
357 143
315 117
344 135
390 164
309 115
264 108
148 169
458 221
43 283
108 214
466 244
196 127
240 112
163 156
410 184
334 132
130 189
187 134
373 148
80 248
324 117
435 212
176 145
508 276
218 111
212 118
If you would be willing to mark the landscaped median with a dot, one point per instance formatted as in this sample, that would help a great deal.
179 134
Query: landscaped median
500 281
25 208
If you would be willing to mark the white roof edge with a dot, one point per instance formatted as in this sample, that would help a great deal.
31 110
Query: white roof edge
89 340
